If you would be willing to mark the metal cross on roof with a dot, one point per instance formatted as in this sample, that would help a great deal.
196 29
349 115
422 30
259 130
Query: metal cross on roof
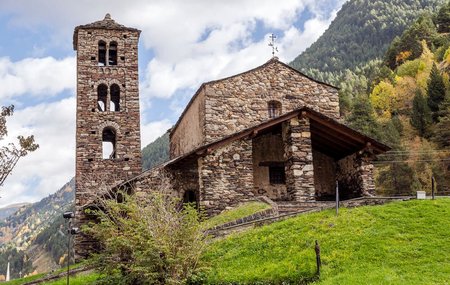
272 38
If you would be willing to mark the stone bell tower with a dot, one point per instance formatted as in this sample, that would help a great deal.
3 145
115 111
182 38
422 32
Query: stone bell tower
108 145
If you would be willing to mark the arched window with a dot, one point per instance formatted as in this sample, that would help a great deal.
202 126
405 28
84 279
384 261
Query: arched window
109 143
102 94
101 53
274 108
115 98
112 53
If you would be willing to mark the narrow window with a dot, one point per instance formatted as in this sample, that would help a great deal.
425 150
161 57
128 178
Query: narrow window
102 93
115 98
274 108
109 143
112 54
277 175
101 53
190 197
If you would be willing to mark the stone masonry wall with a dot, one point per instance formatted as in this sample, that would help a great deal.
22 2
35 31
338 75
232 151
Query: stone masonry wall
189 133
241 101
226 176
268 148
355 177
324 176
92 171
299 160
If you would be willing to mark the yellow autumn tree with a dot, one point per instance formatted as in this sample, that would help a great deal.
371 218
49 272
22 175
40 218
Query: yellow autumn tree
382 98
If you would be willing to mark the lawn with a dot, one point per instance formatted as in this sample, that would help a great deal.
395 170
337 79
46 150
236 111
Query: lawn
397 243
241 211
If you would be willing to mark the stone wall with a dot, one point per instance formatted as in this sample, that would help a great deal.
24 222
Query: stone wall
226 176
299 160
241 101
268 148
189 132
324 176
355 176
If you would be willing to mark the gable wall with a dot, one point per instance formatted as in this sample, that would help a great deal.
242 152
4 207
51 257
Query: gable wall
188 135
239 102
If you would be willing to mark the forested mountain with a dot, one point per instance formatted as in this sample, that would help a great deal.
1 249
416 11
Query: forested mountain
11 209
403 100
33 238
156 152
361 31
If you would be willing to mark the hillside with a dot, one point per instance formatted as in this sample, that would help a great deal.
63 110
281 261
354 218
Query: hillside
361 31
11 209
397 243
30 236
156 152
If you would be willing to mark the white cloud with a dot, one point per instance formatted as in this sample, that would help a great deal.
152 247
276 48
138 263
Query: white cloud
152 130
53 164
42 77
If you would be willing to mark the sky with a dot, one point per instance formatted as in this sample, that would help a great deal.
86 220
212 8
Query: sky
182 44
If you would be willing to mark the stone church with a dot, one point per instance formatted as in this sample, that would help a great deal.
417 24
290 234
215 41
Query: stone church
270 131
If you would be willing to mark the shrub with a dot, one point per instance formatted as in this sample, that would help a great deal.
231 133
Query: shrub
146 238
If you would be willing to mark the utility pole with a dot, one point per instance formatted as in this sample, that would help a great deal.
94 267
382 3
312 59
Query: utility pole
337 198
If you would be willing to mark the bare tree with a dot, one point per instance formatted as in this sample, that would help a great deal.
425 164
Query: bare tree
11 153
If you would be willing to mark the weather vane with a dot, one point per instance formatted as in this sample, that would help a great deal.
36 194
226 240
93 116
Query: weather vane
272 38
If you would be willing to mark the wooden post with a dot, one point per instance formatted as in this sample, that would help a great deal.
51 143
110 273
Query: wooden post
318 261
337 198
433 183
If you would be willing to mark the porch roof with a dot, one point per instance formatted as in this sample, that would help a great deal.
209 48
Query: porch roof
328 136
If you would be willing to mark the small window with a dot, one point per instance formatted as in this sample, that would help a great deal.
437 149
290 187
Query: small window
274 108
102 93
112 53
109 143
277 175
115 98
101 53
190 197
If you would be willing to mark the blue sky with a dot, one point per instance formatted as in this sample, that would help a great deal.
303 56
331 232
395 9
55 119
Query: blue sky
182 44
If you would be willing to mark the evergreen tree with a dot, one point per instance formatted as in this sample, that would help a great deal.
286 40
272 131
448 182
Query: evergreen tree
436 91
442 128
421 115
443 19
362 117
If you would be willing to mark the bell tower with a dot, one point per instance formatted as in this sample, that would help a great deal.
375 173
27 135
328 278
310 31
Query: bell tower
108 145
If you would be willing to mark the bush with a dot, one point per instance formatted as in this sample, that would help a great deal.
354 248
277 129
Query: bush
146 239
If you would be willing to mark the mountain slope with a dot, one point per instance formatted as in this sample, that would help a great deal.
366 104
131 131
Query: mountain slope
11 209
156 152
33 237
361 31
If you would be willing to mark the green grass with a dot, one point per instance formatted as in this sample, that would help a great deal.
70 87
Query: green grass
397 243
79 279
24 280
42 275
241 211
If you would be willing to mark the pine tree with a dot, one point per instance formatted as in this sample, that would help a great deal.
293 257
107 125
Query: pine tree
362 117
436 91
421 114
442 128
443 19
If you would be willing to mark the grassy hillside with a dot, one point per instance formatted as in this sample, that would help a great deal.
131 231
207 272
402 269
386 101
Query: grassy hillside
397 243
